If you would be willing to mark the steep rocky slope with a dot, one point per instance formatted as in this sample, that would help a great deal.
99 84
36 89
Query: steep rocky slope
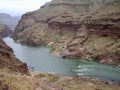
10 69
8 62
4 31
75 29
8 20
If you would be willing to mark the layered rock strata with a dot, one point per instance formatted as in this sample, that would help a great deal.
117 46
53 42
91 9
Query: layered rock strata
87 29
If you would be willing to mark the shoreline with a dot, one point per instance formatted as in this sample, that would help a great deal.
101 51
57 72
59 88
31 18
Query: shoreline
57 53
32 68
33 73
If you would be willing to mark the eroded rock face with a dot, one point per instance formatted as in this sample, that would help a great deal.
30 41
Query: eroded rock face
58 17
4 31
88 28
8 61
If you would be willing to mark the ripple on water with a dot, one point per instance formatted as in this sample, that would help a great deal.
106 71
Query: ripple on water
99 70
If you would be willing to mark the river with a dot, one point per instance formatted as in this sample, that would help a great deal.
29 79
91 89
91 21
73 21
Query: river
43 61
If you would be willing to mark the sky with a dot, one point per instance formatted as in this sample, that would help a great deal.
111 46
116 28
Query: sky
18 7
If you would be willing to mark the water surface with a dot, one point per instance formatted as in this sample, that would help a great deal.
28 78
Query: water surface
43 61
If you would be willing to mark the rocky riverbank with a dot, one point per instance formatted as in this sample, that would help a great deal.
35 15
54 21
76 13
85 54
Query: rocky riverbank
14 75
9 62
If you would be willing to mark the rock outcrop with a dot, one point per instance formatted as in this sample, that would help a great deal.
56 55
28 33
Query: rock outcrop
84 28
4 31
8 62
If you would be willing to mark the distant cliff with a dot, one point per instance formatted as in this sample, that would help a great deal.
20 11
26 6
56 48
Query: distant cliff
4 31
8 20
75 29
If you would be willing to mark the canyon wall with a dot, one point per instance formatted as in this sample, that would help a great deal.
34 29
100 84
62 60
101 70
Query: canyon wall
87 29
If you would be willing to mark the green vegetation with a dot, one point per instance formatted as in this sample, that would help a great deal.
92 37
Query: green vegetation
95 58
52 78
28 74
102 44
49 77
1 75
40 75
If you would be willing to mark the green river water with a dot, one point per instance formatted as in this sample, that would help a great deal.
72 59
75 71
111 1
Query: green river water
43 61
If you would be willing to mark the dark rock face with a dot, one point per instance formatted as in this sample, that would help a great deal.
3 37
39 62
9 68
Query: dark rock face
8 61
86 28
4 31
104 27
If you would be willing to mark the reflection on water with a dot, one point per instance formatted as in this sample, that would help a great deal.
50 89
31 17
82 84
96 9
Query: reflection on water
42 61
